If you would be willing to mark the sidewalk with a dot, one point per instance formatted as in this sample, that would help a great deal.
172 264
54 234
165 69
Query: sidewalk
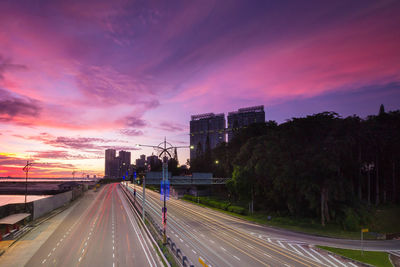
18 252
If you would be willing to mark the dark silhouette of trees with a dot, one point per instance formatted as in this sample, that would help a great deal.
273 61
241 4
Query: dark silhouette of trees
320 166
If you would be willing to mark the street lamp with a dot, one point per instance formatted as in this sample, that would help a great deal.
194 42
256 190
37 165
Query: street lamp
26 169
164 150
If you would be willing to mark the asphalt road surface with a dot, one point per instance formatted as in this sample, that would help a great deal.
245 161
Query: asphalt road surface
103 233
223 240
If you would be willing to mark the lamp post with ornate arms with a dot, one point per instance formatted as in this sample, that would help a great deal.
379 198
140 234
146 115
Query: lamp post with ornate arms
165 150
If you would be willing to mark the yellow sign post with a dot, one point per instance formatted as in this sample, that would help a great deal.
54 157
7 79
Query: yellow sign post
365 230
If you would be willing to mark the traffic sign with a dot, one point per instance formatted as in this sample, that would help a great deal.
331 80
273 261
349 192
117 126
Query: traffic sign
364 230
164 188
123 177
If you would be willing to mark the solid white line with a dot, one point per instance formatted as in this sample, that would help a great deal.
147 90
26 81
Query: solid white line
194 251
352 264
323 257
395 252
236 257
296 249
315 258
336 260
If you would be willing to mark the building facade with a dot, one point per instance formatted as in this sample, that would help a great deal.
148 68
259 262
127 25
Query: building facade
244 117
116 167
206 129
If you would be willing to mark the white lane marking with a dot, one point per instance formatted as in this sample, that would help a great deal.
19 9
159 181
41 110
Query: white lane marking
236 257
58 244
181 240
187 245
252 233
249 246
267 255
269 240
113 248
113 255
212 241
61 240
323 257
83 250
260 236
352 264
223 249
336 260
43 261
194 251
202 235
85 244
172 231
236 239
80 258
296 249
315 258
176 235
281 244
49 254
54 249
287 265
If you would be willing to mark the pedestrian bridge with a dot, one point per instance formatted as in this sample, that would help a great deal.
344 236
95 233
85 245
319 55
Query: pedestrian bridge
155 178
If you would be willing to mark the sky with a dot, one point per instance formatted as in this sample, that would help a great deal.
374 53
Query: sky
78 77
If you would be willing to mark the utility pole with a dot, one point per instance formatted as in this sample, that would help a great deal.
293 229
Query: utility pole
165 151
26 169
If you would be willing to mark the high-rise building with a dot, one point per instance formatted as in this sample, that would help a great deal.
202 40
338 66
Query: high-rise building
244 117
140 162
206 129
111 164
116 167
124 159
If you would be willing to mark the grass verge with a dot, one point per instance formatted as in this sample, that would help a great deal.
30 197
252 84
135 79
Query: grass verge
375 258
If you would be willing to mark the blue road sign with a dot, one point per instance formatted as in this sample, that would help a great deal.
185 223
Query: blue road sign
127 173
166 190
123 177
134 175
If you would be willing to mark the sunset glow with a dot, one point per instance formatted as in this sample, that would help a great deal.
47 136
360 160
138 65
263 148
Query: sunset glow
78 77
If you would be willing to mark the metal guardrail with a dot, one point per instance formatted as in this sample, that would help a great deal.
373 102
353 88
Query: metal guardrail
177 252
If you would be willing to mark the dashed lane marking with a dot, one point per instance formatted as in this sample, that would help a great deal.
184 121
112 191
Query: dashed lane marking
236 257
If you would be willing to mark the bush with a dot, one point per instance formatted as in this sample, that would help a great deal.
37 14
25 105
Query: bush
351 221
237 209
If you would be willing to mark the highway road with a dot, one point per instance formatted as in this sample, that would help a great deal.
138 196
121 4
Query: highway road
102 233
223 240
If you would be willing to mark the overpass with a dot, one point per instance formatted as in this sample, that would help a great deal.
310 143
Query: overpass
197 178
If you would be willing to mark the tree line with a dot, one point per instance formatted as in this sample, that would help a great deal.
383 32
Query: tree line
319 166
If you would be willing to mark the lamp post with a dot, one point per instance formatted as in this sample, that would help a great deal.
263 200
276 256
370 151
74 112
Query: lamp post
26 169
164 152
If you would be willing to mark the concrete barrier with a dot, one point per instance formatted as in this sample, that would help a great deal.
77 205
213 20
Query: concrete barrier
43 206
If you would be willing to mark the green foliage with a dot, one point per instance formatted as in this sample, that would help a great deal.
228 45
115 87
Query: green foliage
313 167
375 258
237 209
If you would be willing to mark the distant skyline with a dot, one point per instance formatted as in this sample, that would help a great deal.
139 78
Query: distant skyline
78 77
